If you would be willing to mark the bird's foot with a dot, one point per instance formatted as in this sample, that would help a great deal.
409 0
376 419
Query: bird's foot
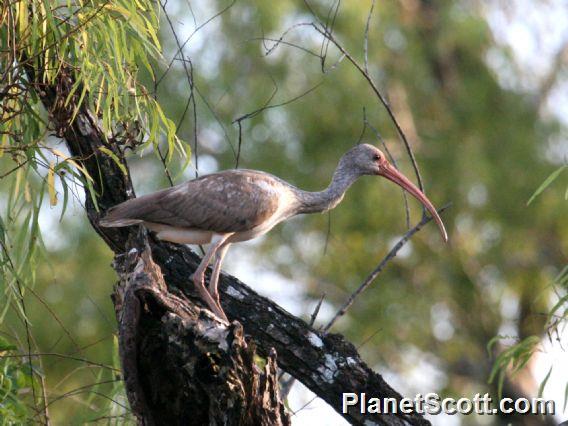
217 310
213 305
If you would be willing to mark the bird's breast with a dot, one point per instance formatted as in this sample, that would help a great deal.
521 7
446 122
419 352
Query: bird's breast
286 208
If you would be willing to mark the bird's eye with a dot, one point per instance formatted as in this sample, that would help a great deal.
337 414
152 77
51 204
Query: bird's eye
376 157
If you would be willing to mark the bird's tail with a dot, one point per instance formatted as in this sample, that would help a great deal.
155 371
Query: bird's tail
117 217
118 223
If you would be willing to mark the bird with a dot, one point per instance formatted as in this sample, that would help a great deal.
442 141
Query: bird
237 205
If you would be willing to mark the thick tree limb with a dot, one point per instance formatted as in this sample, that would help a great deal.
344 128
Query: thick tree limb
327 364
191 369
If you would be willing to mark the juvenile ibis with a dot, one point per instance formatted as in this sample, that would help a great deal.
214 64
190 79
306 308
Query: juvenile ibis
238 205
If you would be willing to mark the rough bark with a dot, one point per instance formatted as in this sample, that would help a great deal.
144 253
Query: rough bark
165 336
188 356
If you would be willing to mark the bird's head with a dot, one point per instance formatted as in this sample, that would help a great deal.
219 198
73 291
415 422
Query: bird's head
365 159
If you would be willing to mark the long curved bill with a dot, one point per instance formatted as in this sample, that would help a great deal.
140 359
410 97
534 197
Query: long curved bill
392 174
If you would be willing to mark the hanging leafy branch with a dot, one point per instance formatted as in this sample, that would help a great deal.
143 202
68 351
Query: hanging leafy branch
514 358
547 182
107 48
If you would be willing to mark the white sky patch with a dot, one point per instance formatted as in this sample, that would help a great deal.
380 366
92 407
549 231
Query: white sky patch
441 322
242 262
310 410
553 355
535 32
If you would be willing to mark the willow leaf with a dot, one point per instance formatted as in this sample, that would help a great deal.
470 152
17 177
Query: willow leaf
547 182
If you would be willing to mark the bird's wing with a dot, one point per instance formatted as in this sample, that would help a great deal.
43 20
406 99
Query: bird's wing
230 201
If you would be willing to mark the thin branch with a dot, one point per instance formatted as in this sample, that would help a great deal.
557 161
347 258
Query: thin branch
393 161
160 154
316 310
368 339
250 115
189 76
216 15
58 355
278 42
375 273
334 8
366 42
265 107
25 321
323 31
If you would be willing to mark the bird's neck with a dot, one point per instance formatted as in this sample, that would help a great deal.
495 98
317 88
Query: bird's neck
321 201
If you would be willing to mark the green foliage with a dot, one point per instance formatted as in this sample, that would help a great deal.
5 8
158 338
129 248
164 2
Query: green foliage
511 360
103 45
105 48
15 380
547 182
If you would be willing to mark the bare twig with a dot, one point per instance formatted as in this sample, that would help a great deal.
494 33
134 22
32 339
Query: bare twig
366 42
63 356
25 320
265 107
212 18
324 32
160 154
393 160
191 98
334 8
316 310
280 40
375 273
368 339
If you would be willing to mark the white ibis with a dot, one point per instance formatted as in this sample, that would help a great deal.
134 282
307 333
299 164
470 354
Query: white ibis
238 205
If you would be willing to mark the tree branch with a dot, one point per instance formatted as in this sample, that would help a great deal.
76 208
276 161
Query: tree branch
325 363
375 273
192 369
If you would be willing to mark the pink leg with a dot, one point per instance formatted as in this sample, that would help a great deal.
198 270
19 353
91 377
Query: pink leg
198 276
219 255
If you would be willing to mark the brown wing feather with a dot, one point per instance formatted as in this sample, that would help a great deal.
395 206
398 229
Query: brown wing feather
230 201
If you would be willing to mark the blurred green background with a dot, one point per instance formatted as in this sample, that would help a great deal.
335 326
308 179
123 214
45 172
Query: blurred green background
479 89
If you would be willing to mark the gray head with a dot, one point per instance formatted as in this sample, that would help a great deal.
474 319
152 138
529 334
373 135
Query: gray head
365 159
